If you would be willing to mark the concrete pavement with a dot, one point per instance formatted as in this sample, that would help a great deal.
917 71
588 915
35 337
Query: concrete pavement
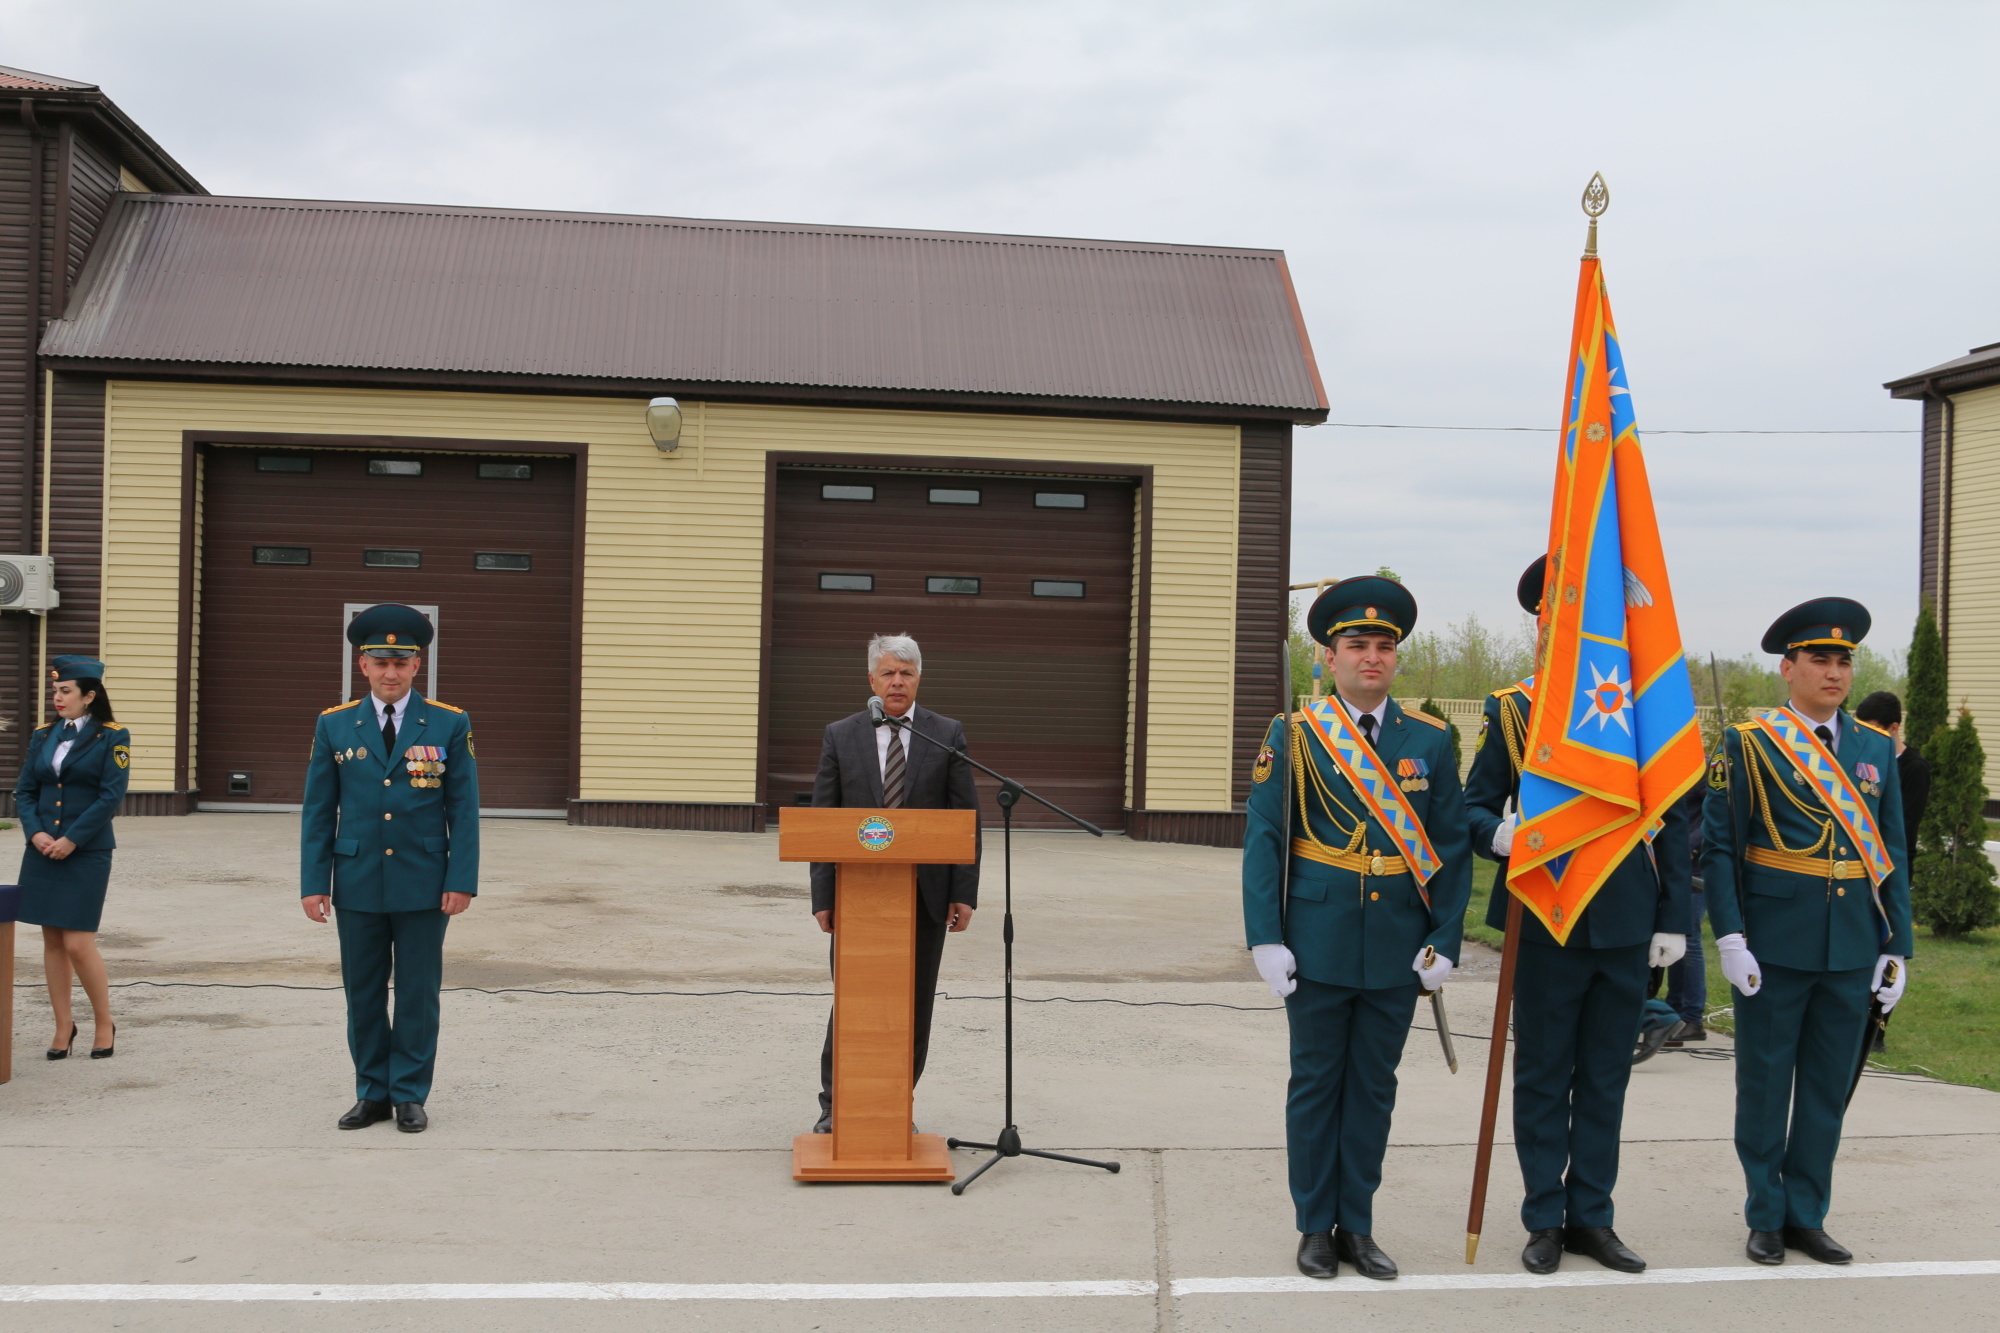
644 1139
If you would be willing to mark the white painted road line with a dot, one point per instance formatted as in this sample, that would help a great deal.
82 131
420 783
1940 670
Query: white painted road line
571 1291
956 1291
1351 1285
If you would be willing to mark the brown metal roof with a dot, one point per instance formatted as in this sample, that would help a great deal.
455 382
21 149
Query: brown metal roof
28 80
1977 368
395 287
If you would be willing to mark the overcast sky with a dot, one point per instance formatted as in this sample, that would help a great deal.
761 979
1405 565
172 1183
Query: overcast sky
1803 205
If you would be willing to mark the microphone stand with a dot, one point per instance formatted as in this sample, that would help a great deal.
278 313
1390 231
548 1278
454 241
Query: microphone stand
1008 1142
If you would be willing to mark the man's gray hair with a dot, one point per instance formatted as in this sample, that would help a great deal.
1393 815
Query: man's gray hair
899 646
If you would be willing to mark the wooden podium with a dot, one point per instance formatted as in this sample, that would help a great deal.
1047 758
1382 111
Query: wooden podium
876 853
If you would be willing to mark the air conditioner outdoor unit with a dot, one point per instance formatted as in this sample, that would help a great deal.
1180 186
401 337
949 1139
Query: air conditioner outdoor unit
28 583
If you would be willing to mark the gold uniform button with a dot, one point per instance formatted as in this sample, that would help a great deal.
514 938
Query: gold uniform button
387 815
1841 892
385 782
388 851
1373 896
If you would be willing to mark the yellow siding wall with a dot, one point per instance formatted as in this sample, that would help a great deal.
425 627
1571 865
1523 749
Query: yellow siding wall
1973 664
674 561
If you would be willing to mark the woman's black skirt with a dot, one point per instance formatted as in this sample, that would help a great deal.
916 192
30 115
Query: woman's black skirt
66 894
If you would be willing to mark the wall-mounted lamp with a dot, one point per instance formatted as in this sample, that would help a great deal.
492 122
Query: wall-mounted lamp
663 423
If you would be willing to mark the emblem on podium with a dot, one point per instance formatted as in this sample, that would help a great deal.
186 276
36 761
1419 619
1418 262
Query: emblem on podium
876 833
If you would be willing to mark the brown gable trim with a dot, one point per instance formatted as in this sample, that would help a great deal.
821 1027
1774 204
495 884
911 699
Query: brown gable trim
791 395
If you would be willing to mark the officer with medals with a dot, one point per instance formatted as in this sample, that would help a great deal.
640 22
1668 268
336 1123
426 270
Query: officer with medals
1802 860
1577 1004
389 840
1356 872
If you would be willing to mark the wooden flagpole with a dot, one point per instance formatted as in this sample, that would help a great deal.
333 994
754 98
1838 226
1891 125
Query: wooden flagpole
1496 1058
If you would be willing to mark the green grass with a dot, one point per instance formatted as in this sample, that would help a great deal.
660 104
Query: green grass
1947 1026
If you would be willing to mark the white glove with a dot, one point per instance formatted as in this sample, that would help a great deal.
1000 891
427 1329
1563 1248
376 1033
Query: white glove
1277 966
1899 974
1738 964
1503 837
1666 950
1437 973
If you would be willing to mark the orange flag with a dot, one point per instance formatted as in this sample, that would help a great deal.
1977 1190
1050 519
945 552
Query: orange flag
1612 742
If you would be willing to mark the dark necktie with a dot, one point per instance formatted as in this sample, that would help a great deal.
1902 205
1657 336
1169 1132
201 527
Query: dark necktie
1368 727
389 732
892 770
1825 734
66 736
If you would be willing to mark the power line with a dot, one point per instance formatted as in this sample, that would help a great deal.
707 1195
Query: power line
1551 430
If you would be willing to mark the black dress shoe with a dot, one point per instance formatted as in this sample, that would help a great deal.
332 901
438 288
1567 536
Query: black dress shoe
1765 1247
1603 1245
1366 1256
364 1114
1316 1257
62 1052
106 1052
1817 1245
823 1125
410 1118
1544 1251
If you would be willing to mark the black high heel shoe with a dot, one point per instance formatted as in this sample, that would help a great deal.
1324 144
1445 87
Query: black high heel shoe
105 1052
63 1054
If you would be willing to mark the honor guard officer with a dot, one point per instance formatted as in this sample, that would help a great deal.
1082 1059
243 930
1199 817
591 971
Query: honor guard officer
1803 864
391 827
1577 1005
1356 872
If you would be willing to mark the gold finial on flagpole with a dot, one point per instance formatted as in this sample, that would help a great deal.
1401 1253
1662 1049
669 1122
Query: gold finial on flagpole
1596 198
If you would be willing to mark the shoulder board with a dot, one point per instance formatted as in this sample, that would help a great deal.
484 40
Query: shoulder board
114 726
339 707
45 726
1880 731
1437 722
447 707
1747 728
1299 716
1506 690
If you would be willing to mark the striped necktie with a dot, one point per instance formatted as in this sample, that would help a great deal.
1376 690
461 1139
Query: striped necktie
892 771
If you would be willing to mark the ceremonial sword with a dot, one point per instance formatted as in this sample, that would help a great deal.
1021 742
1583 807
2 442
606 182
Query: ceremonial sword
1437 1014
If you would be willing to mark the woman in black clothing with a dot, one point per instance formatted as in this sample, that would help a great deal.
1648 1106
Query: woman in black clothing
1913 771
71 785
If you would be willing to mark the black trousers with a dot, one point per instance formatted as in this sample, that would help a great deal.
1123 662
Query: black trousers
930 952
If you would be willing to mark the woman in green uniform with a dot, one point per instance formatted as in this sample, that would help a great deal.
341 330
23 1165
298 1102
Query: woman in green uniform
70 788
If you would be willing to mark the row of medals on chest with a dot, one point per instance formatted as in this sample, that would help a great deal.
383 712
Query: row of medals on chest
425 763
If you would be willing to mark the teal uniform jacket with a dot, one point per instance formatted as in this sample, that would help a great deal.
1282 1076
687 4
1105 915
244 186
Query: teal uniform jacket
1816 937
1576 1006
369 835
1355 938
1650 891
79 802
1340 934
1792 919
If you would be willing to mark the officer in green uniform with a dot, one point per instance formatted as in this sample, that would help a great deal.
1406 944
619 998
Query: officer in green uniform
1576 1005
1356 872
1811 903
389 839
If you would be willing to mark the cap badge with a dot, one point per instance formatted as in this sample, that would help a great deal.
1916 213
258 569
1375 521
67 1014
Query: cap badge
1371 612
1839 633
389 637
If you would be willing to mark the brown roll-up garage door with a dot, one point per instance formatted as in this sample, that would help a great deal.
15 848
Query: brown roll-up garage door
1019 591
291 539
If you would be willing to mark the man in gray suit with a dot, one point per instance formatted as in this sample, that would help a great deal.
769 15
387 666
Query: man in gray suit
870 766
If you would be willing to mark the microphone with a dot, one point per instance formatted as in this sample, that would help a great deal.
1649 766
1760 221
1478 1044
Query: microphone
875 712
